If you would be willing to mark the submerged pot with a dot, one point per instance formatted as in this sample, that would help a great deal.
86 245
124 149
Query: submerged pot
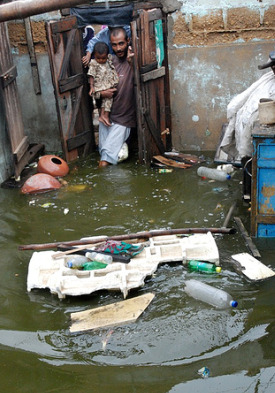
52 165
39 183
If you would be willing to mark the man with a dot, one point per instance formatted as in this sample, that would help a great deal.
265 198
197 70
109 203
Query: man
102 36
122 116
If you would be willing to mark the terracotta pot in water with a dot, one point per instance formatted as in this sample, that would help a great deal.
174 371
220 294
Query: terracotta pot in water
41 182
52 165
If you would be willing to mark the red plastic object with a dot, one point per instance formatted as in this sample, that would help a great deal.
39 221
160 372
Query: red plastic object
41 182
53 165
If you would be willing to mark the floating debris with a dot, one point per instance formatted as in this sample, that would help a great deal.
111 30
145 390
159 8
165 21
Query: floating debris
204 372
106 339
47 205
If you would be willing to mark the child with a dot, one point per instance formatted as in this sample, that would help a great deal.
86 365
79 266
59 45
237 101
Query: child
102 76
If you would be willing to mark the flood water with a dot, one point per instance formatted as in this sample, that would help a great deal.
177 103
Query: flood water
176 336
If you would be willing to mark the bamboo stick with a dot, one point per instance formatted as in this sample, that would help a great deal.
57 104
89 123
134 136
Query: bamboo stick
138 235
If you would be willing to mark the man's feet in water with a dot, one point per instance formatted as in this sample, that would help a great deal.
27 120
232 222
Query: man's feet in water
103 164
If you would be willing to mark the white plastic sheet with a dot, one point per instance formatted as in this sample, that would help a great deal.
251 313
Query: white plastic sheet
242 113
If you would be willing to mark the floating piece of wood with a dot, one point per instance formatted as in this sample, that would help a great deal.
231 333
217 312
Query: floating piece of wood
229 214
248 241
184 157
252 268
170 162
111 315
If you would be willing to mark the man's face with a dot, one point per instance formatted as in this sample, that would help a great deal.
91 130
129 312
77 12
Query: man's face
119 45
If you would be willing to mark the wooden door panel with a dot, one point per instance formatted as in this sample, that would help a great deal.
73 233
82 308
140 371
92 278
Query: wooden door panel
71 89
14 120
152 81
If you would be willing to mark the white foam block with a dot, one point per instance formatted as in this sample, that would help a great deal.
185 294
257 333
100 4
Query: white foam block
252 268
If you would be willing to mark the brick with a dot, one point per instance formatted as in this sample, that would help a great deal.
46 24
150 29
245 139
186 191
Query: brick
269 16
243 18
180 25
210 22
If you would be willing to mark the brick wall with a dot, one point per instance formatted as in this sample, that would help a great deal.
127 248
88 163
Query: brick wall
223 25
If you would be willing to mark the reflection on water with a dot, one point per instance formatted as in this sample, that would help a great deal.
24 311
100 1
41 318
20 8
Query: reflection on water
176 335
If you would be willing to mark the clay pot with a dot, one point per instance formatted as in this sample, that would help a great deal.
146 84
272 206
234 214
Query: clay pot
39 183
52 165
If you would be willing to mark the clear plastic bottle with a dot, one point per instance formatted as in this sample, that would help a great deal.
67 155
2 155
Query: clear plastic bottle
97 257
76 261
212 173
216 297
204 267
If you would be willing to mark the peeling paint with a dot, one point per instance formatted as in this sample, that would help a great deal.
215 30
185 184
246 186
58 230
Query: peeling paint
267 207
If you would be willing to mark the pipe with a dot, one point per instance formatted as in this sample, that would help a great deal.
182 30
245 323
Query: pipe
22 9
138 235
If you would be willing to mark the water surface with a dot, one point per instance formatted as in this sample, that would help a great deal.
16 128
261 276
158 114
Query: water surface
176 336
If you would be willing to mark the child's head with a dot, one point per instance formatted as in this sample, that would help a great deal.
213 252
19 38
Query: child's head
101 51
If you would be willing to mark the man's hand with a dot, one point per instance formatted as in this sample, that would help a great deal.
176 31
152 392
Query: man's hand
130 55
109 93
86 59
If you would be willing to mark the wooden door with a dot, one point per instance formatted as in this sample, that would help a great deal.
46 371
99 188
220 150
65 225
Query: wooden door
149 32
22 154
71 89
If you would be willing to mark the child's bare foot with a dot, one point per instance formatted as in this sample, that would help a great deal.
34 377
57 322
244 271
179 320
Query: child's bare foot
104 118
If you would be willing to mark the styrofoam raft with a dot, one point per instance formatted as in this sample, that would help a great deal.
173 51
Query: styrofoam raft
46 272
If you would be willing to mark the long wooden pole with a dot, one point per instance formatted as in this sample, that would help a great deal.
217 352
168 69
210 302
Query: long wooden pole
138 235
23 9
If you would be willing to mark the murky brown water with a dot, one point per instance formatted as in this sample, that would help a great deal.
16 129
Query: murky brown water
176 336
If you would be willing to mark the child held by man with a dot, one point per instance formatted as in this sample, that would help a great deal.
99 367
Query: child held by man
102 76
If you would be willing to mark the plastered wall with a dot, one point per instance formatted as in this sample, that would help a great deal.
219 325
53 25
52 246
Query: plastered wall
214 50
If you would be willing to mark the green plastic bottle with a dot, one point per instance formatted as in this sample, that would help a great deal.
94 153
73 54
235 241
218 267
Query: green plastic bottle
93 265
204 267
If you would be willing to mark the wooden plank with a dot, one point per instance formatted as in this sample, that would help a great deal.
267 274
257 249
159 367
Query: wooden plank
21 149
171 163
75 110
252 268
248 241
32 54
72 82
79 140
139 112
154 131
155 74
68 51
111 315
28 157
64 25
148 67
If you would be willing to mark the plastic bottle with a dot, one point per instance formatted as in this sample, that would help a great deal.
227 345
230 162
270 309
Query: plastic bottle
76 261
97 257
216 297
212 173
205 267
92 265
